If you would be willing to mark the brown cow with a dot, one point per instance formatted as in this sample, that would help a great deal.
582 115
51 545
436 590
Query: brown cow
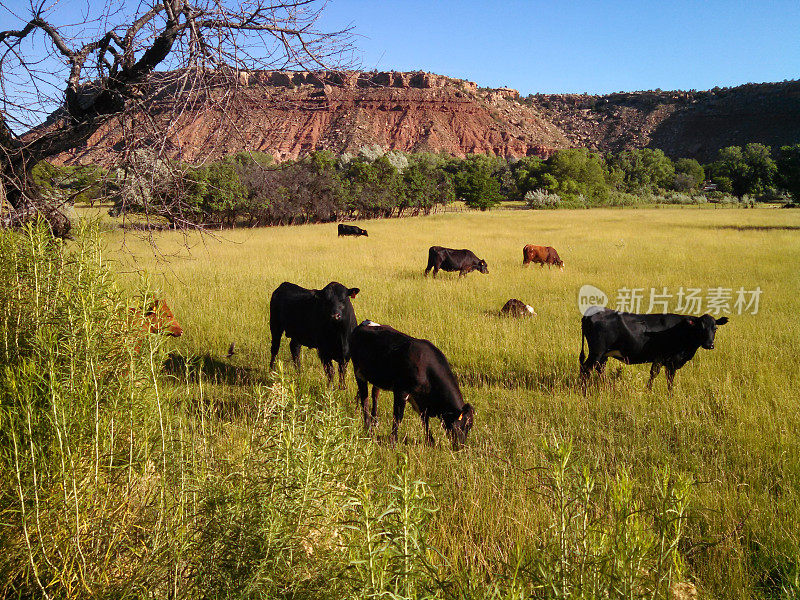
517 308
542 255
158 318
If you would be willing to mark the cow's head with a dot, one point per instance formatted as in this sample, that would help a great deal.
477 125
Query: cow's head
336 300
560 264
364 233
457 425
482 266
705 328
158 318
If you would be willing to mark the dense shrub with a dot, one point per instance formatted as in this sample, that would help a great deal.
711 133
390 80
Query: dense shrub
542 199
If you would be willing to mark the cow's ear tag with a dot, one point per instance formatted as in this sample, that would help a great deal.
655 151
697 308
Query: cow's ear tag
461 416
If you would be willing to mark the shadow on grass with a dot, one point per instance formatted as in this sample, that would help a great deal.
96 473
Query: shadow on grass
518 379
546 381
496 314
744 227
212 369
419 274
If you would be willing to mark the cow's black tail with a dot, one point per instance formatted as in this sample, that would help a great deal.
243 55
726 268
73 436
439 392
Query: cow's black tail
583 340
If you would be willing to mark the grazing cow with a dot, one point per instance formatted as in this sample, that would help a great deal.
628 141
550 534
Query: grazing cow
351 230
448 259
158 318
517 308
667 340
414 370
544 255
321 319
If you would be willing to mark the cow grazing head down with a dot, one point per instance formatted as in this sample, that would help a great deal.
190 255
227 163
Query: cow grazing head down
336 297
458 424
705 328
482 267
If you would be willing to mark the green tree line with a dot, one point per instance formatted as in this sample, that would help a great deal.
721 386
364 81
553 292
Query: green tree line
250 189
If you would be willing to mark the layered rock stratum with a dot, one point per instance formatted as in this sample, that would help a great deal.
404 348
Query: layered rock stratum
290 114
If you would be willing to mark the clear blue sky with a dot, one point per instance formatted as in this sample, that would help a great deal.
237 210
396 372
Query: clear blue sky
562 46
531 45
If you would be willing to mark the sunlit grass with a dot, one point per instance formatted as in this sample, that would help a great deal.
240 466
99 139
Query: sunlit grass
731 423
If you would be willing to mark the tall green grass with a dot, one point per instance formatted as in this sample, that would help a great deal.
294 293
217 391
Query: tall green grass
216 478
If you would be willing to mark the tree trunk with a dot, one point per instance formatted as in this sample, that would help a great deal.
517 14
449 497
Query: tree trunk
23 198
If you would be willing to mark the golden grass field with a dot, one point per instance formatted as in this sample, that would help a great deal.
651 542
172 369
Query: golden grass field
732 421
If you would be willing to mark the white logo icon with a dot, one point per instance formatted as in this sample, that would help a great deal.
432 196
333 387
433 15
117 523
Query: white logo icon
590 299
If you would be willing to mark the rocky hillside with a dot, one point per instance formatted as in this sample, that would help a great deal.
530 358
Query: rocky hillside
691 124
289 114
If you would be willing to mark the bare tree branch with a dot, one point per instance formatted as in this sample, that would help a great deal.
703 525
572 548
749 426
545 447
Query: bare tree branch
110 69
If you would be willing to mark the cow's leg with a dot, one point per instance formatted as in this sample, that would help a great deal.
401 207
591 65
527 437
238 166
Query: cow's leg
655 369
342 375
670 371
585 371
362 401
435 270
275 346
431 265
327 365
375 393
294 348
425 423
400 399
594 362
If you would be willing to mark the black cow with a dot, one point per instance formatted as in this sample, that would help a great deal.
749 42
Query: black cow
414 370
448 259
351 230
321 319
667 340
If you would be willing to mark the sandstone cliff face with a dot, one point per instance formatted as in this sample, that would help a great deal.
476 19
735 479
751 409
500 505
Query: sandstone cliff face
289 114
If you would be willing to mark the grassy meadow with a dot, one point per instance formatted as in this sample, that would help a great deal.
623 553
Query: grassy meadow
133 465
730 428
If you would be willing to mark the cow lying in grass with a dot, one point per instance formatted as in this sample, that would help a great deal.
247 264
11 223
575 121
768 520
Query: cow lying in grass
157 318
517 308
